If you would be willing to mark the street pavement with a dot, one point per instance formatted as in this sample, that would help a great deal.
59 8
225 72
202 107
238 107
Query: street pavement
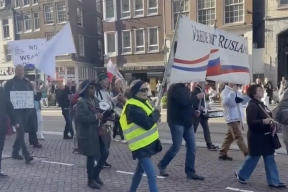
57 169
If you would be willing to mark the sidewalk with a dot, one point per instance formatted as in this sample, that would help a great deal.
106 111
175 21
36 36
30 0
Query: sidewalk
58 170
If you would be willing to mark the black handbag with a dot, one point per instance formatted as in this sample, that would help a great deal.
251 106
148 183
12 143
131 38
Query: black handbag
275 138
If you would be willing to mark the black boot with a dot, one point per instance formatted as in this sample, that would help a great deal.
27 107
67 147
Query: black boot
93 185
17 156
99 181
2 175
28 159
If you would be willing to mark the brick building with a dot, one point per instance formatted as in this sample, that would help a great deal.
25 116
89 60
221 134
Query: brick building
134 37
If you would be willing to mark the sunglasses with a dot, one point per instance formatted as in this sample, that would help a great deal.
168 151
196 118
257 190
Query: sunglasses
92 87
143 90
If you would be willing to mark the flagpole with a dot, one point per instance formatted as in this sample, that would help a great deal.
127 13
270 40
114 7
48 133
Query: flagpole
167 72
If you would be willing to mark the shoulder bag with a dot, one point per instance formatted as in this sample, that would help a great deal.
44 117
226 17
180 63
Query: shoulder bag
275 138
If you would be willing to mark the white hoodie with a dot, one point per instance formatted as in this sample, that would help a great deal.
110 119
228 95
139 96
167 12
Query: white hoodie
231 108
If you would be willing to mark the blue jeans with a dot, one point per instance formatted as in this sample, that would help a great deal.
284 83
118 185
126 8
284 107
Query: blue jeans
179 132
144 164
272 175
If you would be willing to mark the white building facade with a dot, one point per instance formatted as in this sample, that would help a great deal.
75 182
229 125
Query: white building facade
6 34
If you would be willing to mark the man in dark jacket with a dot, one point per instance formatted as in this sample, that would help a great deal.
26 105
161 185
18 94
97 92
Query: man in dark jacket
64 102
202 119
180 114
5 112
24 117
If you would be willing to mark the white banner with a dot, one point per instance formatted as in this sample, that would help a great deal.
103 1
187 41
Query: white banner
25 52
204 51
22 99
60 44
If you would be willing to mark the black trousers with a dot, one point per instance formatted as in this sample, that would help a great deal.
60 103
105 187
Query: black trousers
117 130
2 141
68 126
93 172
33 140
26 119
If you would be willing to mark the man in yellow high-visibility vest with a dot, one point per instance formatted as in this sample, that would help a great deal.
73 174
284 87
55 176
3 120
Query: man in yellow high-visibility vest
139 124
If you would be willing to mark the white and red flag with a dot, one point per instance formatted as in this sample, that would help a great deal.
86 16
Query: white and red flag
113 71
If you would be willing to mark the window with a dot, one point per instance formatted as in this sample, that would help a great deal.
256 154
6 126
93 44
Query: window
176 6
49 36
7 53
125 8
206 12
234 11
61 12
48 14
283 2
26 2
139 8
5 24
109 9
98 5
36 21
100 49
139 40
17 3
153 39
79 17
19 24
2 3
110 43
126 42
81 45
35 1
99 25
27 23
152 7
70 71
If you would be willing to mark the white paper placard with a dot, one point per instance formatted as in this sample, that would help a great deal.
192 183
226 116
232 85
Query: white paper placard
22 99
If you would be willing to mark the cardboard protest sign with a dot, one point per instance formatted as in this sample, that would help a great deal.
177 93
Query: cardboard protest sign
25 52
22 99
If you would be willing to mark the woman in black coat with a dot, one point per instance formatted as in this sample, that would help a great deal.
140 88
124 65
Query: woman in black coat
260 142
87 120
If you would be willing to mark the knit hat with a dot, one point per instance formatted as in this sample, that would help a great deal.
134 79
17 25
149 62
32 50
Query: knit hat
135 87
102 76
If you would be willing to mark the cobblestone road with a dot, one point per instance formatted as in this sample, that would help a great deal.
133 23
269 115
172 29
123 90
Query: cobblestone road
47 174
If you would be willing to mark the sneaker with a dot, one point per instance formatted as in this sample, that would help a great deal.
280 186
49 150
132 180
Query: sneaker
124 141
67 137
280 185
212 147
195 177
107 165
225 158
115 140
240 179
275 154
41 137
162 172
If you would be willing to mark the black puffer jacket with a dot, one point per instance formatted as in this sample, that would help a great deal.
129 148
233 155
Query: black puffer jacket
138 116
